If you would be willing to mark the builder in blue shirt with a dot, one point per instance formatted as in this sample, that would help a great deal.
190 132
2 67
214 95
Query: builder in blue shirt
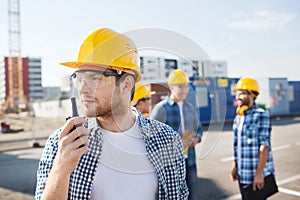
183 118
252 139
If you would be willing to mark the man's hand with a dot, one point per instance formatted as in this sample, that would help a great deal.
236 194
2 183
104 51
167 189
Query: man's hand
233 174
195 141
258 181
72 145
189 140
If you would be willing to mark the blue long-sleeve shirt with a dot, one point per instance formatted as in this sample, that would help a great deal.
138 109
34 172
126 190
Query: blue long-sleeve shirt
256 131
167 111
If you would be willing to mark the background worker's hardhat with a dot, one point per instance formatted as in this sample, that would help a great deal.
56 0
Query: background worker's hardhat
141 91
178 77
247 84
105 47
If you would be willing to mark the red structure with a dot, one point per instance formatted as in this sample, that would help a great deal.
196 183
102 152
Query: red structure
17 82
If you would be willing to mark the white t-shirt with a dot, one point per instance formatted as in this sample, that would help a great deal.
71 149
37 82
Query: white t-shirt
180 104
124 170
239 138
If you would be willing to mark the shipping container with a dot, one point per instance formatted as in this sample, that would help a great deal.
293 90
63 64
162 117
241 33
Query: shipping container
274 95
202 90
294 96
214 97
230 97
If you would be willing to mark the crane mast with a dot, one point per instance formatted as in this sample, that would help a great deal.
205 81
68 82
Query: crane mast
15 94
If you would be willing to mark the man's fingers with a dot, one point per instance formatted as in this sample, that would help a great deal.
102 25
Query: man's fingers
186 142
190 142
80 142
258 186
82 150
233 177
254 187
78 132
71 137
70 125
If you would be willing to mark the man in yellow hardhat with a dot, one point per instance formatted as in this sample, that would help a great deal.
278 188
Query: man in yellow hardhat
142 99
113 152
252 141
183 118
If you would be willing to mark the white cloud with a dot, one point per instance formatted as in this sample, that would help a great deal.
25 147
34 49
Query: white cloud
261 20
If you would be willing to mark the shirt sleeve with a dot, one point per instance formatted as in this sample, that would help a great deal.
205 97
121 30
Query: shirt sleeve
45 165
264 129
181 169
198 125
159 113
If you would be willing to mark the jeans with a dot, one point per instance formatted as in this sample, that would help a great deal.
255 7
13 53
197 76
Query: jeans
242 191
191 180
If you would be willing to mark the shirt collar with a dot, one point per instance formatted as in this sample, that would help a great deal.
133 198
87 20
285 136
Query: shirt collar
94 125
145 123
171 102
250 110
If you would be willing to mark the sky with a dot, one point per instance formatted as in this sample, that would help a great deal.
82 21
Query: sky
258 38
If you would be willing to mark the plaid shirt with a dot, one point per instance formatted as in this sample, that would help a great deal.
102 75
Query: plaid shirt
167 111
164 148
256 131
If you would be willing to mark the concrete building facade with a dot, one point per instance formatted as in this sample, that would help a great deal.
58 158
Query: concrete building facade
157 69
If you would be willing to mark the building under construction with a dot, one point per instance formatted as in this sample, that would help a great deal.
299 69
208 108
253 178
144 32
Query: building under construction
20 82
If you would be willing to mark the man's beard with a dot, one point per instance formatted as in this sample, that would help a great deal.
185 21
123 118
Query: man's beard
181 96
107 109
103 110
245 102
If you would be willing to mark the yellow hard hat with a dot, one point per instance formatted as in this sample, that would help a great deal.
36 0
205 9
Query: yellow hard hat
141 91
247 84
105 47
178 77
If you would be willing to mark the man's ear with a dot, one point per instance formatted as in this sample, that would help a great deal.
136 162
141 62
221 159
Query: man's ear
253 96
128 83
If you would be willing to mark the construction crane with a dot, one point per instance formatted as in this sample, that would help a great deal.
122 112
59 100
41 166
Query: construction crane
15 94
14 28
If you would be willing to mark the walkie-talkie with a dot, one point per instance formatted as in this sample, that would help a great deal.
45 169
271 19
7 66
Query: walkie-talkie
74 107
74 114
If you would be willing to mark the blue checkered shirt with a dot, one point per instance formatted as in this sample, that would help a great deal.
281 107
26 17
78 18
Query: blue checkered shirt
164 148
256 131
167 111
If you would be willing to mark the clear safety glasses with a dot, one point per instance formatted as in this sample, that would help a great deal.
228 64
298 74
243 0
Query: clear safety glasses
238 93
92 78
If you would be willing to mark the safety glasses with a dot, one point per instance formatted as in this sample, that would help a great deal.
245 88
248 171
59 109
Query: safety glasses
238 93
145 99
92 78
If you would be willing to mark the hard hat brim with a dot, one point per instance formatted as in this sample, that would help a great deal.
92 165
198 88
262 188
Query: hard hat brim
236 89
74 64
